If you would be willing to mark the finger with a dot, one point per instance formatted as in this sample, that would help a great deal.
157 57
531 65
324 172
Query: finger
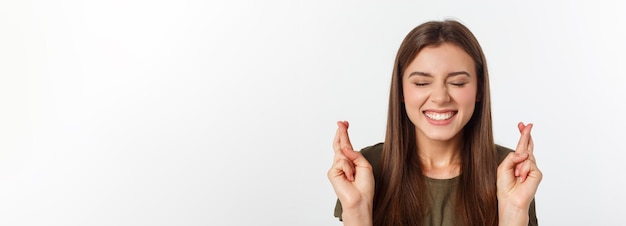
510 162
342 168
348 169
531 143
362 167
344 139
356 158
352 161
525 169
531 157
337 140
350 154
519 164
522 145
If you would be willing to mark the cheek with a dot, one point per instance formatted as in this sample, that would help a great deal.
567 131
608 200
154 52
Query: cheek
412 95
466 96
405 92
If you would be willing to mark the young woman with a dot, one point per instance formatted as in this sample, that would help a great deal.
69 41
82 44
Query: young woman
439 164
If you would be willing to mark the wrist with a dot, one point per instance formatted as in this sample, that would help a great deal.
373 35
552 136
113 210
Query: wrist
358 215
510 215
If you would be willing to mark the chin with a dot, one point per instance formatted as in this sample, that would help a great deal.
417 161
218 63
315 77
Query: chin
441 139
440 136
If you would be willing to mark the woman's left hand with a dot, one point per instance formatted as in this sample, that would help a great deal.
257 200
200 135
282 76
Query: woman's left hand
518 176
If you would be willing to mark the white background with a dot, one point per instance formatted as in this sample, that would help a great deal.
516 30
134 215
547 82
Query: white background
199 113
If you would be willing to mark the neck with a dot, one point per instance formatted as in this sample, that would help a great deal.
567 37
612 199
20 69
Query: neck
440 159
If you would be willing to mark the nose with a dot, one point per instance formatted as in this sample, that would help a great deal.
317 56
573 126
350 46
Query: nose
440 95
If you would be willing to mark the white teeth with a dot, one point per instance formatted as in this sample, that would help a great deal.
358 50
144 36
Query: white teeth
439 116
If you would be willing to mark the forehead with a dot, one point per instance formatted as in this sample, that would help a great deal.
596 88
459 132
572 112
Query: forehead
442 59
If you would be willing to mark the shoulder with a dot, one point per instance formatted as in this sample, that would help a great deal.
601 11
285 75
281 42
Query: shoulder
502 152
372 152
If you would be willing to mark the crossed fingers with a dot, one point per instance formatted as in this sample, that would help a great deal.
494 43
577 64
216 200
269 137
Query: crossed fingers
525 148
344 154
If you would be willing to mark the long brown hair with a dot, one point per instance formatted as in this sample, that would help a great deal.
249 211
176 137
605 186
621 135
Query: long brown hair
402 196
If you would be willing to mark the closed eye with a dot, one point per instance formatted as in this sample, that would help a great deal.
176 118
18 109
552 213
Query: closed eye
421 83
459 84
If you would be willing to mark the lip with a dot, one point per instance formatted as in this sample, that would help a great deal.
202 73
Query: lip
440 122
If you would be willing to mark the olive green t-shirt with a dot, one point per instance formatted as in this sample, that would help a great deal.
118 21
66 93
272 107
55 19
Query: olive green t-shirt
442 190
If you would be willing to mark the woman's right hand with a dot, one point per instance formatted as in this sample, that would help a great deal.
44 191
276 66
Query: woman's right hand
351 176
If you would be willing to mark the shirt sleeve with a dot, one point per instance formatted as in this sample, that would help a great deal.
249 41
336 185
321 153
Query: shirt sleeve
338 210
532 214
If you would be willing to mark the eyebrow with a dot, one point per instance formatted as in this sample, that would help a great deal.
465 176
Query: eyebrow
429 75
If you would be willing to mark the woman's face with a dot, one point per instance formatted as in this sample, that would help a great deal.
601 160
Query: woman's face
440 88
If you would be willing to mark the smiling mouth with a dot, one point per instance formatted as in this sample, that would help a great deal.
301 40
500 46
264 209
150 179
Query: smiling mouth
439 116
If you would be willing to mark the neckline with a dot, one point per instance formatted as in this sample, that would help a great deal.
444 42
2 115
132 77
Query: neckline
443 181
